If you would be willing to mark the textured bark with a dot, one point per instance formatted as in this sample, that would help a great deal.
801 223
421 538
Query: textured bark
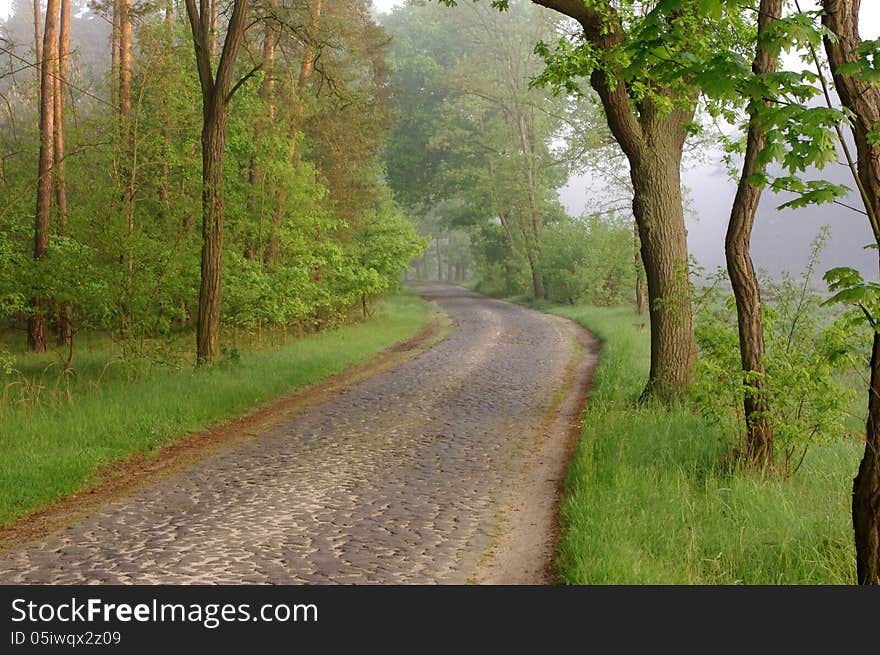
36 324
841 17
756 404
216 94
657 207
652 140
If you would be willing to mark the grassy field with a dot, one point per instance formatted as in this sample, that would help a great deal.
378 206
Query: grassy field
646 501
58 431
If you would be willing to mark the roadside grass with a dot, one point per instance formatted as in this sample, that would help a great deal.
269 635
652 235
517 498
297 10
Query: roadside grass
648 499
51 448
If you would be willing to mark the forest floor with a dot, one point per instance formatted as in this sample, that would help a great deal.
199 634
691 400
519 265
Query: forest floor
422 472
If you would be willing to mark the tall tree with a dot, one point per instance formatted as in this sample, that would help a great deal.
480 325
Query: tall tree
217 92
759 432
65 314
650 121
36 326
862 99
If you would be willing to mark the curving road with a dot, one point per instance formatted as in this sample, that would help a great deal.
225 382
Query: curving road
399 479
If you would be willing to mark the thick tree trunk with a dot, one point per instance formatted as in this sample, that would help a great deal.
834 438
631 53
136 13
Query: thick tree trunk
756 404
652 139
658 210
36 325
841 17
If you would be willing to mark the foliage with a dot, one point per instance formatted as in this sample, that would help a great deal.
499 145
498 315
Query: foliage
811 351
56 429
310 227
590 261
646 501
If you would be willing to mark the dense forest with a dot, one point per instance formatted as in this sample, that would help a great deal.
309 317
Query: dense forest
188 172
160 182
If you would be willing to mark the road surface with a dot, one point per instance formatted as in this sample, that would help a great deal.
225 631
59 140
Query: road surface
423 474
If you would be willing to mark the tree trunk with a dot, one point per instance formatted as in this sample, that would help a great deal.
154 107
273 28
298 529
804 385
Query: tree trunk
652 138
114 54
658 210
125 127
38 45
267 93
36 326
537 280
841 18
639 267
217 90
756 404
166 125
213 141
65 313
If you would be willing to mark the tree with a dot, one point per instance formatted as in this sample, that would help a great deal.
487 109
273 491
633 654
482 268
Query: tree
650 119
65 314
217 92
759 439
36 327
845 50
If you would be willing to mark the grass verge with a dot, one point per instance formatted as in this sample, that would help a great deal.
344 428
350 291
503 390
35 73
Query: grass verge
646 501
51 450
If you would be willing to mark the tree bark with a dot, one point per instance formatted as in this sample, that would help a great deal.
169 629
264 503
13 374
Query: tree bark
217 91
652 140
758 450
841 18
639 268
65 313
36 325
657 207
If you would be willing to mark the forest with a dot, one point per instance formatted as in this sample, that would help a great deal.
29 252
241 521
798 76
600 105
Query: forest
196 196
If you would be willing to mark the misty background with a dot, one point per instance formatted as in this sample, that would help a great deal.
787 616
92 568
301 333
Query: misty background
781 239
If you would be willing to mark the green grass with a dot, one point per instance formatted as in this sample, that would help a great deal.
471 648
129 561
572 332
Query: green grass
647 502
53 448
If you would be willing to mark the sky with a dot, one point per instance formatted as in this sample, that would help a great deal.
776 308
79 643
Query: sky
781 239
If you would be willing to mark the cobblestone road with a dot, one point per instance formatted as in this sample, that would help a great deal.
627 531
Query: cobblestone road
396 480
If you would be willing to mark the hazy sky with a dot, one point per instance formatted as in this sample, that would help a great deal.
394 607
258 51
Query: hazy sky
781 238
